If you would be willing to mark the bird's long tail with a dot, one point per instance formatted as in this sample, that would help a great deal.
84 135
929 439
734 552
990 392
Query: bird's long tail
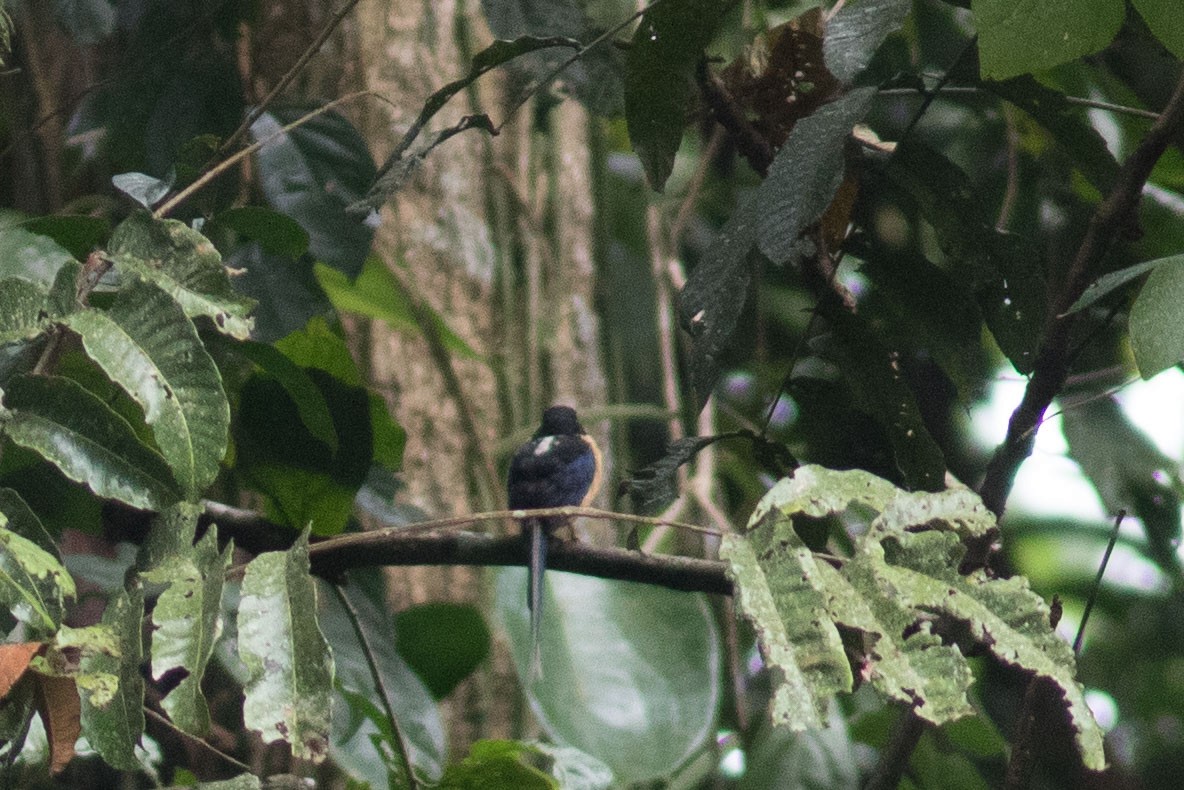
534 600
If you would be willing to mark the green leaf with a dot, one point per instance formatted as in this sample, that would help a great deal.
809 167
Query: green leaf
24 522
316 345
1108 283
305 481
277 233
804 652
914 304
30 255
310 403
110 685
290 686
902 590
805 174
145 343
498 765
630 672
442 642
1129 472
377 294
878 389
856 31
33 584
414 706
77 234
1002 271
1068 125
801 184
142 188
1156 325
187 618
286 293
312 173
23 313
1163 18
91 444
185 265
819 759
388 436
659 79
1018 36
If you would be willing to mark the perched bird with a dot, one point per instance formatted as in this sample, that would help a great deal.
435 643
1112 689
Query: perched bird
559 467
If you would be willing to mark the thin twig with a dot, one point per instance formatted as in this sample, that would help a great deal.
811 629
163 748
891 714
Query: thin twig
165 208
1076 100
1093 593
162 720
384 695
287 79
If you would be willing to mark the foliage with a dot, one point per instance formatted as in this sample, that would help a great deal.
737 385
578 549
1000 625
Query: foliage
927 199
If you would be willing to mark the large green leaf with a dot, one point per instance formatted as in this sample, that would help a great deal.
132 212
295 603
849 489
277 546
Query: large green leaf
145 343
311 173
305 481
24 522
1067 124
1129 473
1002 271
1108 283
1020 36
801 184
277 233
902 589
659 79
109 681
187 618
33 584
1163 17
630 673
442 642
310 403
185 264
377 294
289 690
91 444
1157 331
30 255
856 31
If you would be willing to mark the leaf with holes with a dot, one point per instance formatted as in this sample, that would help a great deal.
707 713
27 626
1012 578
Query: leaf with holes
33 583
290 686
187 618
902 590
185 265
110 684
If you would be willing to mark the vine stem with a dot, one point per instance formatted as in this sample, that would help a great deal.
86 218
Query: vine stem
379 684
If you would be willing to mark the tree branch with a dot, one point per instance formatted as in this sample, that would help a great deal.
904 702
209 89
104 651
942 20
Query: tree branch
408 545
1053 358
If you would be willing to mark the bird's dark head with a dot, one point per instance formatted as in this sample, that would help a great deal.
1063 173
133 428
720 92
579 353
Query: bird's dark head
559 421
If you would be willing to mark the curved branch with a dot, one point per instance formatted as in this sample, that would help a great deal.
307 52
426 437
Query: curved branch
1053 358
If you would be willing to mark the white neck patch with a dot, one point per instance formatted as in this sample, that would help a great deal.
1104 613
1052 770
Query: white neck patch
544 445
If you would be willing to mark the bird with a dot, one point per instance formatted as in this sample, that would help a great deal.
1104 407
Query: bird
560 466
